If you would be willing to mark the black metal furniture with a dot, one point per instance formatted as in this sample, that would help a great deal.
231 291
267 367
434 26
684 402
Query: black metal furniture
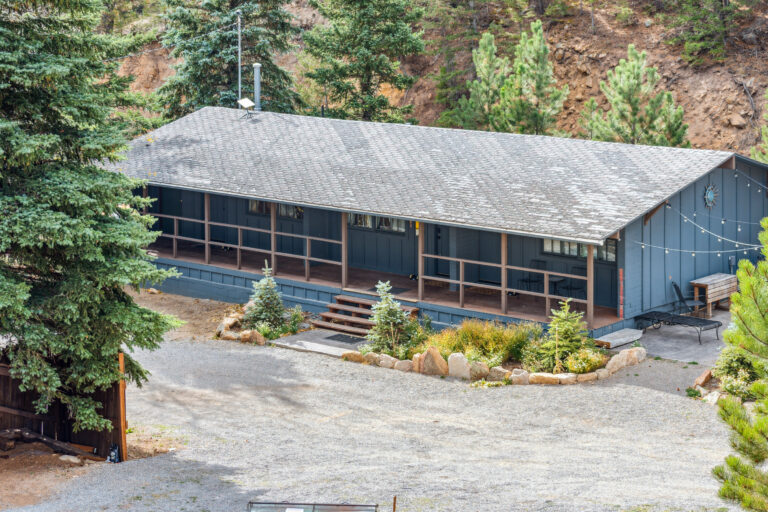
685 305
656 319
532 279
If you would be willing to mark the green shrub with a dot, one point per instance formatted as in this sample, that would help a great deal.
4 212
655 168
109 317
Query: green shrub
490 342
626 16
585 360
693 393
736 370
394 332
558 9
295 320
267 305
567 334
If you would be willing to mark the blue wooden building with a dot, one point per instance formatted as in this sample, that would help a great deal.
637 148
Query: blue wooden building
462 223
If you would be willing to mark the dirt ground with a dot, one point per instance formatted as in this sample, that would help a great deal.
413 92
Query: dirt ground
200 316
34 472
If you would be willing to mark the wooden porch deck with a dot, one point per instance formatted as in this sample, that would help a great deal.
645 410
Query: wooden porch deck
526 307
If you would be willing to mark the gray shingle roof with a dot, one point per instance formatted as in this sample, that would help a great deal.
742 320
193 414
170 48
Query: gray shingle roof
534 185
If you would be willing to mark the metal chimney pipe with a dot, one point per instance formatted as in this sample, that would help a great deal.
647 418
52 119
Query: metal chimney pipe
257 87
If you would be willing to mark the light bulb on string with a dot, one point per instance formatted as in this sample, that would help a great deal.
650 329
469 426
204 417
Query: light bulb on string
739 228
693 254
718 255
719 240
666 251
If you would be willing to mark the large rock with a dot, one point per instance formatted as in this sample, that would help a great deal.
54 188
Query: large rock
404 366
737 121
543 378
478 370
703 379
586 377
252 336
386 361
229 335
372 358
602 374
432 363
567 378
227 324
519 377
617 362
353 356
416 363
634 355
498 374
458 366
712 398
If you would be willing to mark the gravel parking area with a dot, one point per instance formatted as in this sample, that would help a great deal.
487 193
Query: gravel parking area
264 423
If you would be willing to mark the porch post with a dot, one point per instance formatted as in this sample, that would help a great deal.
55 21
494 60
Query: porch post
590 285
503 273
308 253
207 217
420 264
344 250
273 236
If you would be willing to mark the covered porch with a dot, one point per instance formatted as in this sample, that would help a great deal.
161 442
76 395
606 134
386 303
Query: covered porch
436 264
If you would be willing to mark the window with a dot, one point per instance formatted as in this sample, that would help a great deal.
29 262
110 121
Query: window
258 207
360 221
290 212
606 252
391 225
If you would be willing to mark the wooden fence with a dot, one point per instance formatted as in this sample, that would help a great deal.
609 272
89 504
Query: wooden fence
17 410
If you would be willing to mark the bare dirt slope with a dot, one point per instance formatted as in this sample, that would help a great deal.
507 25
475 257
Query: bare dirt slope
724 102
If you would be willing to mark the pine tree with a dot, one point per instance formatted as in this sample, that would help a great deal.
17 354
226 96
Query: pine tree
265 305
204 36
529 100
358 52
705 25
638 114
760 152
474 112
72 237
743 481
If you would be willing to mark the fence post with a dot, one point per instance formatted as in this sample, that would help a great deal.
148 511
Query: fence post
123 423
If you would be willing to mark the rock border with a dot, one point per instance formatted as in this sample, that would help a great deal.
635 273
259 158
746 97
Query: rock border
457 366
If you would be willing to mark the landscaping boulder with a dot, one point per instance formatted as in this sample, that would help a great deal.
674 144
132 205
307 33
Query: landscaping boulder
617 362
386 361
252 336
634 355
602 374
458 366
227 325
432 363
372 358
229 335
352 356
703 379
478 370
713 397
416 360
586 377
498 374
404 366
567 378
543 378
519 377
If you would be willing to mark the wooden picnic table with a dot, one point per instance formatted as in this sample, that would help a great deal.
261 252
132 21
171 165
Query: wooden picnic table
714 289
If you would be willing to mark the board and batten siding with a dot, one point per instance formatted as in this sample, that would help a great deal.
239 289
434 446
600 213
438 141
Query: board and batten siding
649 272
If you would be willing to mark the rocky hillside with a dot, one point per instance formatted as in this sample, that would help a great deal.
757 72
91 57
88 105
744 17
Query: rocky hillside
723 102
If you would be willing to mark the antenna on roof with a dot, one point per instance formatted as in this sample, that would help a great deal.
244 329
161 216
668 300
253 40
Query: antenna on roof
248 105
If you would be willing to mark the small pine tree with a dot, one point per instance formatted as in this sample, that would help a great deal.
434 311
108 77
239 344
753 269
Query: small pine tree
474 112
267 306
204 36
390 329
358 52
705 25
529 100
743 481
638 115
760 152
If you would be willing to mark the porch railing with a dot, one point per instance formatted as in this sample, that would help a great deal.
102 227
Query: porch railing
239 247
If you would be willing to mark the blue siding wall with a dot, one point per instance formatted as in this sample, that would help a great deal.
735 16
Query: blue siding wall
649 272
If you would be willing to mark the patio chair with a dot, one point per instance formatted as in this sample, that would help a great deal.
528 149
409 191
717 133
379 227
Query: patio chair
533 278
575 286
685 305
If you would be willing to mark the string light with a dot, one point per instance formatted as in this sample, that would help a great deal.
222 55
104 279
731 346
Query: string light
718 252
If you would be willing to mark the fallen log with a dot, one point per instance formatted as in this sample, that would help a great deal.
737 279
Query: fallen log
28 436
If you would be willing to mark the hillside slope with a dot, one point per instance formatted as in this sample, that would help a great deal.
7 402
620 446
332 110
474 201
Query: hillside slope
723 102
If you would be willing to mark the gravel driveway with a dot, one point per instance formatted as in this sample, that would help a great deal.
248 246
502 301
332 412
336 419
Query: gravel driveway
263 423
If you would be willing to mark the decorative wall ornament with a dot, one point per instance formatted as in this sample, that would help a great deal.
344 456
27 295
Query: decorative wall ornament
710 196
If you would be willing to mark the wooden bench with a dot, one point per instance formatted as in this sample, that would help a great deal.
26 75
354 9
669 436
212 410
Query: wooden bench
714 288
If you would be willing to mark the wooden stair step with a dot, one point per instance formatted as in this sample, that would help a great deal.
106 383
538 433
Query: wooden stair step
347 318
340 327
347 299
350 309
